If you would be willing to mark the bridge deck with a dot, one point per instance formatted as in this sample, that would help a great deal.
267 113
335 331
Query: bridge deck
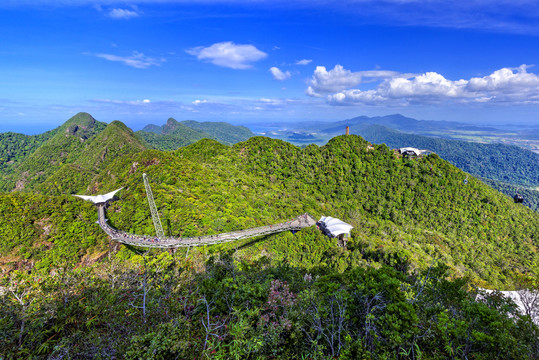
298 223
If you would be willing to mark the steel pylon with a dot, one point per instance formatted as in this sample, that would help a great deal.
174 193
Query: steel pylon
155 216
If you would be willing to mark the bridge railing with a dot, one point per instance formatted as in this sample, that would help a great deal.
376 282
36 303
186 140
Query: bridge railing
298 223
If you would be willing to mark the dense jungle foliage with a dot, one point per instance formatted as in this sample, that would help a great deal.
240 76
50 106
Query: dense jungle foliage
403 210
14 148
509 164
64 146
163 306
531 197
403 288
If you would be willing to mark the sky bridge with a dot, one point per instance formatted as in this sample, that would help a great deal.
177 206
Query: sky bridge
167 242
154 241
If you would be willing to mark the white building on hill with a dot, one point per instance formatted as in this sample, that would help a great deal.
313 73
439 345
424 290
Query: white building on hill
335 228
410 151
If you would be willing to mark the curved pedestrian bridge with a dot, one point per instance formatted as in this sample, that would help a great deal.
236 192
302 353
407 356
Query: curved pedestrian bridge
296 224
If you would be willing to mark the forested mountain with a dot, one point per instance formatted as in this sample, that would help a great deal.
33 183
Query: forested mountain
499 162
221 131
116 140
170 136
15 148
67 161
82 146
422 206
175 134
422 239
531 196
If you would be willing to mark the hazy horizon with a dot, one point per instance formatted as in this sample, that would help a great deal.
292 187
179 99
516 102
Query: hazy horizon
255 126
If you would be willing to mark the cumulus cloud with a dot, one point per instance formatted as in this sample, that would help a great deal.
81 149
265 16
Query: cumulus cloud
303 62
137 60
122 14
123 102
228 54
278 74
339 78
515 85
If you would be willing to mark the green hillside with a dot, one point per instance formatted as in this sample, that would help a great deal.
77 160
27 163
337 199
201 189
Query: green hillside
63 148
114 141
221 131
170 136
418 210
499 162
403 286
67 161
531 196
15 148
174 134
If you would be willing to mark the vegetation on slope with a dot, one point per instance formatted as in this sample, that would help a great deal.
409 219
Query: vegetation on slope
404 210
176 134
161 307
499 162
531 197
68 161
64 147
387 295
15 148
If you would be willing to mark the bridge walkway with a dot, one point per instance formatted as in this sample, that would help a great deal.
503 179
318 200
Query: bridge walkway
298 223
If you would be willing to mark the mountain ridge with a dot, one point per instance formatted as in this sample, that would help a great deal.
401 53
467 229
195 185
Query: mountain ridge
31 162
403 123
174 134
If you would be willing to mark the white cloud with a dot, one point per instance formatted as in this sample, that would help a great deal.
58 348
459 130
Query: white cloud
505 79
509 85
338 79
198 102
430 84
123 102
303 62
278 74
122 14
137 60
228 54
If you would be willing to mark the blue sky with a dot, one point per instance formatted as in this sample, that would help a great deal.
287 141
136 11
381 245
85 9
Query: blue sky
263 61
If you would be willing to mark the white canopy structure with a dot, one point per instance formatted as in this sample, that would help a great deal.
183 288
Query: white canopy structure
334 227
98 199
413 151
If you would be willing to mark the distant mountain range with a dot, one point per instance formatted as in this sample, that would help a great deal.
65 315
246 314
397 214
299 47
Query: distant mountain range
403 123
